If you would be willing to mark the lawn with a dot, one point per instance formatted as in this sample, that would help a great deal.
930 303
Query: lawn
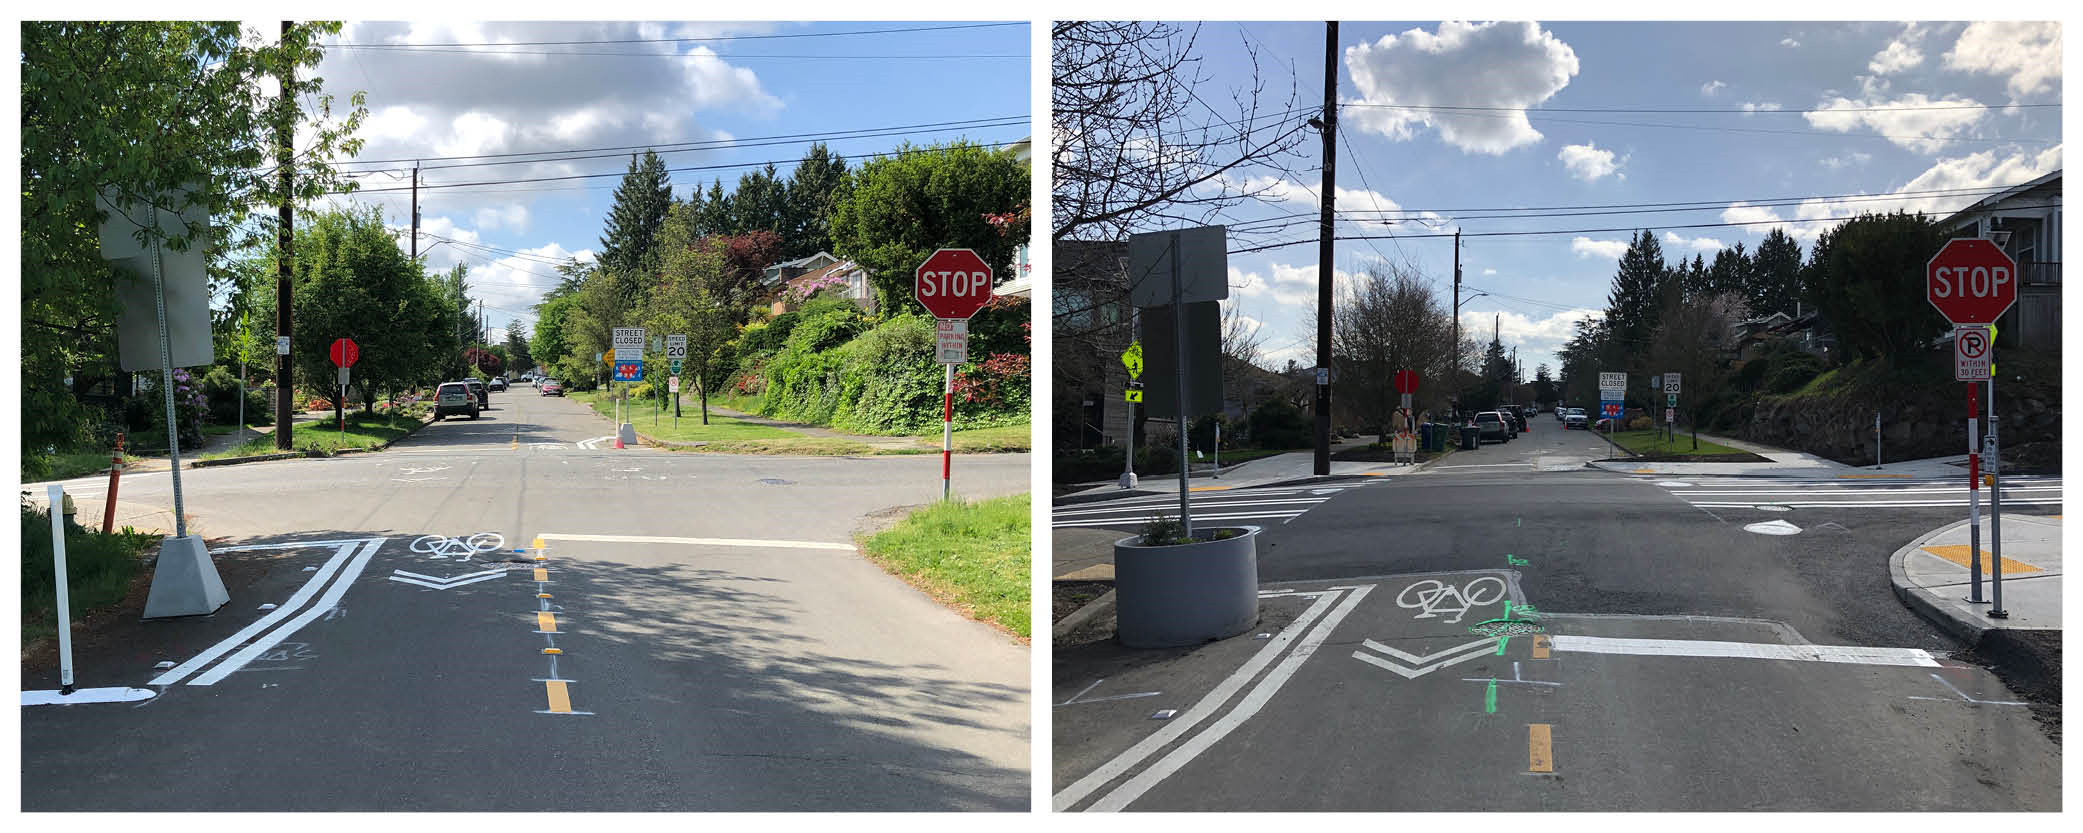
659 424
973 556
986 440
98 570
1646 442
71 464
363 431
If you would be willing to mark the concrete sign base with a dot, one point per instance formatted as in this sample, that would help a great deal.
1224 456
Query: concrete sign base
627 433
185 582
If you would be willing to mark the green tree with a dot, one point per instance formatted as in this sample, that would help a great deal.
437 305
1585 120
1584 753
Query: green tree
760 203
1866 278
715 214
629 247
354 282
1637 297
517 355
146 108
1775 275
903 206
817 184
697 297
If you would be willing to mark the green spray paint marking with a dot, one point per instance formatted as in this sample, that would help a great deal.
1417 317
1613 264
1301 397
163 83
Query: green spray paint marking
1516 562
1490 698
1517 521
1501 642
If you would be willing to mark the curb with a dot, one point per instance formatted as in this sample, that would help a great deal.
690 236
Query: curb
285 455
1102 606
1926 603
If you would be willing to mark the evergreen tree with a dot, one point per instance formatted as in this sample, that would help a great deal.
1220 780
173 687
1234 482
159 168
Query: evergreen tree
715 215
1775 275
629 250
1866 277
760 202
1730 272
818 183
517 347
1638 291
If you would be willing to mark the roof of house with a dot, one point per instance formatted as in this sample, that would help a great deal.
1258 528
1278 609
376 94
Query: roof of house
803 281
772 274
1993 200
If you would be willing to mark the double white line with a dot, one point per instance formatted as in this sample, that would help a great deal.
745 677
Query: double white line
347 563
1120 797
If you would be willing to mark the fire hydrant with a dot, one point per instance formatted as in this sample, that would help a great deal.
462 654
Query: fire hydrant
70 510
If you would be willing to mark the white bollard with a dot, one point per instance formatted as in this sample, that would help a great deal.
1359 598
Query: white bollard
57 493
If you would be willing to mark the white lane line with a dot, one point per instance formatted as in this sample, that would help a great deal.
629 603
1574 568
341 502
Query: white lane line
54 697
236 661
1888 504
288 609
1134 788
1200 711
1132 519
703 542
1742 650
1855 491
1195 504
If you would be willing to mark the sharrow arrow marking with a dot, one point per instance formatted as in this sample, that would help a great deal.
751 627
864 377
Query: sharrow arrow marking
438 583
1421 665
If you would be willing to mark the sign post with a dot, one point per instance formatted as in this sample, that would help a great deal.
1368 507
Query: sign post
344 353
629 347
1405 446
1612 399
1670 385
952 284
1972 282
675 353
1132 358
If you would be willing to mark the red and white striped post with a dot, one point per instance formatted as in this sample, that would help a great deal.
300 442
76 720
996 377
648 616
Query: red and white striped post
952 284
947 434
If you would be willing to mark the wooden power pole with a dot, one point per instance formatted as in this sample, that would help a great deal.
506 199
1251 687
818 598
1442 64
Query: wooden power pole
285 129
1325 251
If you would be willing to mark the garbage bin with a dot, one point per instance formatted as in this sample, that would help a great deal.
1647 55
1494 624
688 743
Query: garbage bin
1439 436
1425 435
1471 437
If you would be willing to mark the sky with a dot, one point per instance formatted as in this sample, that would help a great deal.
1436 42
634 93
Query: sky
439 90
1783 121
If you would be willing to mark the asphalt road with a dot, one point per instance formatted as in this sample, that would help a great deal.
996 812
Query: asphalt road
1655 654
719 644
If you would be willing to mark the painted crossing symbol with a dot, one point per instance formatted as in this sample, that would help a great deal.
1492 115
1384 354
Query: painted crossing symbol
461 549
1844 493
1247 505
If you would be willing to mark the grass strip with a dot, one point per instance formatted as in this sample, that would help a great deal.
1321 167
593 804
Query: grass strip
363 431
1646 442
973 556
99 570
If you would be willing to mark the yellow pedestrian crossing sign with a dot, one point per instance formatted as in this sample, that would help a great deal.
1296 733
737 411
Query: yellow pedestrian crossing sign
1132 395
1133 359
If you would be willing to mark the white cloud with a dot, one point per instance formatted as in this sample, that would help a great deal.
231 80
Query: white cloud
1924 131
1756 106
1489 271
510 215
1848 160
1494 65
1900 54
1366 204
1287 286
1587 247
1587 162
1710 88
1697 244
1538 339
2028 52
1789 42
1986 169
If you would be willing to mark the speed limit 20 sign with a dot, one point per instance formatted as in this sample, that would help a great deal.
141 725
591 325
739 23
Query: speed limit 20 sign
1971 281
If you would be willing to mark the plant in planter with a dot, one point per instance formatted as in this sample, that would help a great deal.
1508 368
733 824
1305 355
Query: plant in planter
1173 589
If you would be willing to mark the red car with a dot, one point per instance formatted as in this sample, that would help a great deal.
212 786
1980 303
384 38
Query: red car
552 387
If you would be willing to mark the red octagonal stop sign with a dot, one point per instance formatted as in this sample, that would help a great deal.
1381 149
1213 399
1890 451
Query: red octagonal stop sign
953 283
1406 381
345 351
1971 281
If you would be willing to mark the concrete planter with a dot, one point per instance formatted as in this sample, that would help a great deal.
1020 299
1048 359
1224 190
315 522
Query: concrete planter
1185 594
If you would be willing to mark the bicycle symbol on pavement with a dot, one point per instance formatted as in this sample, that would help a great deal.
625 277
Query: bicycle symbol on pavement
461 549
1434 597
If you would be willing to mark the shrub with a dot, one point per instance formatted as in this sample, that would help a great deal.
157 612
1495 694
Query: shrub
1279 424
1791 371
98 567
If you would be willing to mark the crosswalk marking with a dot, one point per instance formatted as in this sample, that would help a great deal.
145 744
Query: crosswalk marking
1909 493
1241 504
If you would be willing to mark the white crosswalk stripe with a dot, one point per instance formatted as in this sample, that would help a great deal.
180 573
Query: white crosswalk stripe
1907 493
1275 504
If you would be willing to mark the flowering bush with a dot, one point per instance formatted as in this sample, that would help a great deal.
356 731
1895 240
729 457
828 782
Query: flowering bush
189 408
1000 380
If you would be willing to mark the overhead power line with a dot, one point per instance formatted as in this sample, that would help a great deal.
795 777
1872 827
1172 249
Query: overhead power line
709 39
1681 110
729 166
734 56
988 121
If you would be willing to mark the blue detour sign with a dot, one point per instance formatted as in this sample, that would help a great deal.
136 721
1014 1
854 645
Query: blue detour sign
629 371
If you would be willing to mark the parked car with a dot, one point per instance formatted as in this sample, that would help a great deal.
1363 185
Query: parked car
454 399
497 383
1512 418
1561 412
1530 411
1492 426
484 393
551 387
1575 418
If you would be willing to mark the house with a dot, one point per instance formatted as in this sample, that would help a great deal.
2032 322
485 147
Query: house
2025 221
778 273
844 278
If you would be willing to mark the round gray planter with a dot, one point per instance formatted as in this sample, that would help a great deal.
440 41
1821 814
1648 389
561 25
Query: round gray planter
1185 594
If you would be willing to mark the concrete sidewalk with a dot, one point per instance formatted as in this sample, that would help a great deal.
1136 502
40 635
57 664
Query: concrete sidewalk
1264 471
1931 576
1795 464
88 507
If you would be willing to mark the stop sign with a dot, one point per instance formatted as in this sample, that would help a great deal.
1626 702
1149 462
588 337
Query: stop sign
953 283
1971 281
345 352
1406 381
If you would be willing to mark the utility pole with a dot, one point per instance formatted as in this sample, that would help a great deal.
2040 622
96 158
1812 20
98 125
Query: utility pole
1454 351
415 212
285 127
1325 271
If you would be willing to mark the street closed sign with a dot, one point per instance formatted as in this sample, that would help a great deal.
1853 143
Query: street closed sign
953 283
1612 381
629 344
1971 281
